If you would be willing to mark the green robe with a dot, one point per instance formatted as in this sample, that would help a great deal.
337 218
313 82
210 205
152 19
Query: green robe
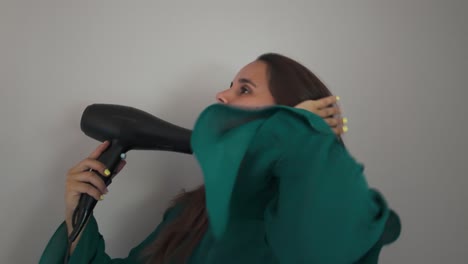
280 188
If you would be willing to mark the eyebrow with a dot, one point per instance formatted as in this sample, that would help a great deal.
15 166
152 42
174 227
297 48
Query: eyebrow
244 80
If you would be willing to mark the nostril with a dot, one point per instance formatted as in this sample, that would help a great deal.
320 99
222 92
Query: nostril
221 99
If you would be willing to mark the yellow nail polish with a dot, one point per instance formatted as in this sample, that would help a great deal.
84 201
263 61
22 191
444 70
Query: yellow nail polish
101 198
338 98
107 172
345 120
345 129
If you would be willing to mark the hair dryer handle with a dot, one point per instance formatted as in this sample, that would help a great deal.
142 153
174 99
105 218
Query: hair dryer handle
110 158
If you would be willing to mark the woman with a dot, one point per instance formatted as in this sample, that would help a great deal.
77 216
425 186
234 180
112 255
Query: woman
290 192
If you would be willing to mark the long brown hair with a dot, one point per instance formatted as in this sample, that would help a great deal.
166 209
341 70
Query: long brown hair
290 83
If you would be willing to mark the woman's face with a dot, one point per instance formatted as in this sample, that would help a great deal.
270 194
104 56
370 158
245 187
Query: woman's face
249 88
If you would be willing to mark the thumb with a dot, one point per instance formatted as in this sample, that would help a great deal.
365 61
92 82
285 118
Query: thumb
307 105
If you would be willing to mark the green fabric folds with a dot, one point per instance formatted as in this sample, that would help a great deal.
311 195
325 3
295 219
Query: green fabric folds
280 187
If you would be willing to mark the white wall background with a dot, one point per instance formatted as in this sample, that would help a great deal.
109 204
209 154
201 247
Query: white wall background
400 68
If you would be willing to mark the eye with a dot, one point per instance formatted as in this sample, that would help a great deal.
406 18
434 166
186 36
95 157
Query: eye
244 90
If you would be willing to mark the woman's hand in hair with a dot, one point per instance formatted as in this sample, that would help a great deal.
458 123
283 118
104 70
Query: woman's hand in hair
328 109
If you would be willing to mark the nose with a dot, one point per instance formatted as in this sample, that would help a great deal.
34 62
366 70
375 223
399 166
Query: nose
222 97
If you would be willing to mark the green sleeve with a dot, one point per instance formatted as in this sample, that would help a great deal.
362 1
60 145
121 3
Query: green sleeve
323 201
91 247
321 209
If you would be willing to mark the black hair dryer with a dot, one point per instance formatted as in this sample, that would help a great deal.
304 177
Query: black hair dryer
126 128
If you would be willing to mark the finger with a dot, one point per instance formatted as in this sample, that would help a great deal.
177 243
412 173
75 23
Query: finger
92 178
325 102
89 163
338 130
333 122
99 150
329 111
82 187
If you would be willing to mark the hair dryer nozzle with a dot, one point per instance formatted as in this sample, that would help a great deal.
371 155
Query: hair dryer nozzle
134 129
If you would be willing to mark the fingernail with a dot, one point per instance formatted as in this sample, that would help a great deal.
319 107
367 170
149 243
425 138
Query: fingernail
106 190
101 198
345 129
107 172
338 98
345 120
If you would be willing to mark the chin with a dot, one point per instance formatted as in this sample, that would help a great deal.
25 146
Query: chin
251 107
